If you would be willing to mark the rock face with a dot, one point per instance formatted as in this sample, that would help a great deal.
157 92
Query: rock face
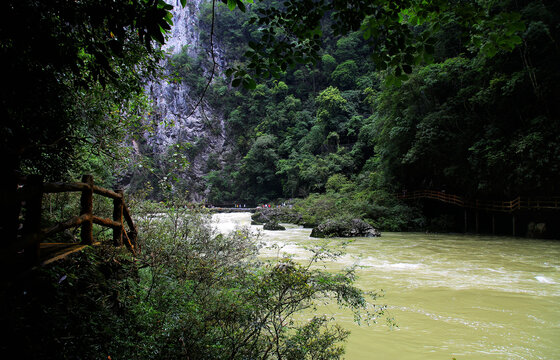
176 120
344 228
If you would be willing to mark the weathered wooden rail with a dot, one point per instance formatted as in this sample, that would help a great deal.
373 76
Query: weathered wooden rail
28 236
519 203
490 207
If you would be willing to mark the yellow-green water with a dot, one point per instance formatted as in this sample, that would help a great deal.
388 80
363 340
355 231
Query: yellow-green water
452 296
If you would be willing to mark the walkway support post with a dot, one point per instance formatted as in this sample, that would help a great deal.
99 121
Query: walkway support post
466 228
513 223
9 211
493 225
118 217
86 206
476 222
32 223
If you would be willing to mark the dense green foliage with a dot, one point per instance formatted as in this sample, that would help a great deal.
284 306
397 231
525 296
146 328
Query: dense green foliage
72 80
475 115
354 104
192 292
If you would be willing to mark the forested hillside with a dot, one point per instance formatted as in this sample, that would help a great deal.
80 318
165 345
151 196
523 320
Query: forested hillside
358 102
330 106
476 115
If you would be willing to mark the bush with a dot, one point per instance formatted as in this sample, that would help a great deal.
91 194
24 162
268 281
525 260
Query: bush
345 200
191 292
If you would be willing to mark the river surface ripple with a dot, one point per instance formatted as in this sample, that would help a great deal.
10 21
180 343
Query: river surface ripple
451 295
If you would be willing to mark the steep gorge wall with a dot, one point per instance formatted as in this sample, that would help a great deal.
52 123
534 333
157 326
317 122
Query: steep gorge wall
175 120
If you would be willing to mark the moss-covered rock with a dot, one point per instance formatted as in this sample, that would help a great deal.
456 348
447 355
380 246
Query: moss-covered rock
273 225
344 228
259 218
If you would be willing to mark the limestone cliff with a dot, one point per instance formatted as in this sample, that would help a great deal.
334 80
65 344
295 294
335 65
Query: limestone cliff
176 118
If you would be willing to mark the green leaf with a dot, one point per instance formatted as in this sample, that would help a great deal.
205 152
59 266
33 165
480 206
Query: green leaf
516 40
367 33
240 5
231 5
408 58
236 82
253 45
428 58
403 77
429 48
249 84
489 50
183 3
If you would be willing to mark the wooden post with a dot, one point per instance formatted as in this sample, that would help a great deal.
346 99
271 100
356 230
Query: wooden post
118 217
86 203
476 222
32 223
493 225
133 233
466 228
9 211
513 223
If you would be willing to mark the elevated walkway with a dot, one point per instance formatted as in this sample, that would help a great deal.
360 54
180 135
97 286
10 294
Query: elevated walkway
491 208
519 203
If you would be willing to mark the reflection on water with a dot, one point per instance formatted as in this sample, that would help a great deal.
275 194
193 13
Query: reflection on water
452 296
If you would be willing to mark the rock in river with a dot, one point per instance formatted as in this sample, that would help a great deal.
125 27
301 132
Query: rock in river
273 225
344 228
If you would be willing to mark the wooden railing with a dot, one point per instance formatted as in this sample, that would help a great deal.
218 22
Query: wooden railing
519 203
30 194
432 194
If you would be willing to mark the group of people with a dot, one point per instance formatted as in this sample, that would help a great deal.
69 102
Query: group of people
269 206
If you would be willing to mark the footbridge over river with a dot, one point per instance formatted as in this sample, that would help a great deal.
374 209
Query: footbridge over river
230 209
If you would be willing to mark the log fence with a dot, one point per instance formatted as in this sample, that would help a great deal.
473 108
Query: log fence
28 237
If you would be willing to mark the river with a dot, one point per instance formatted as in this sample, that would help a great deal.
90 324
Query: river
451 295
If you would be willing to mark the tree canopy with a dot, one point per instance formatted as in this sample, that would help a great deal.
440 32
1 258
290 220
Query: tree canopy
400 35
474 114
67 66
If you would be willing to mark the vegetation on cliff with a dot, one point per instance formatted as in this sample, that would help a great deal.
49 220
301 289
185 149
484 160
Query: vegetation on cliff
475 113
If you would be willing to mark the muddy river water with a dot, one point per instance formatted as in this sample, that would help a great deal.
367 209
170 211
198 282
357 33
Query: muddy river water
451 296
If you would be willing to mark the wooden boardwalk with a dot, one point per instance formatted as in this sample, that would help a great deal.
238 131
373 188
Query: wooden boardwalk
519 203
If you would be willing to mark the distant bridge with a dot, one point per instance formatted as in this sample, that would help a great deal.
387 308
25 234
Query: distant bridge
219 209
